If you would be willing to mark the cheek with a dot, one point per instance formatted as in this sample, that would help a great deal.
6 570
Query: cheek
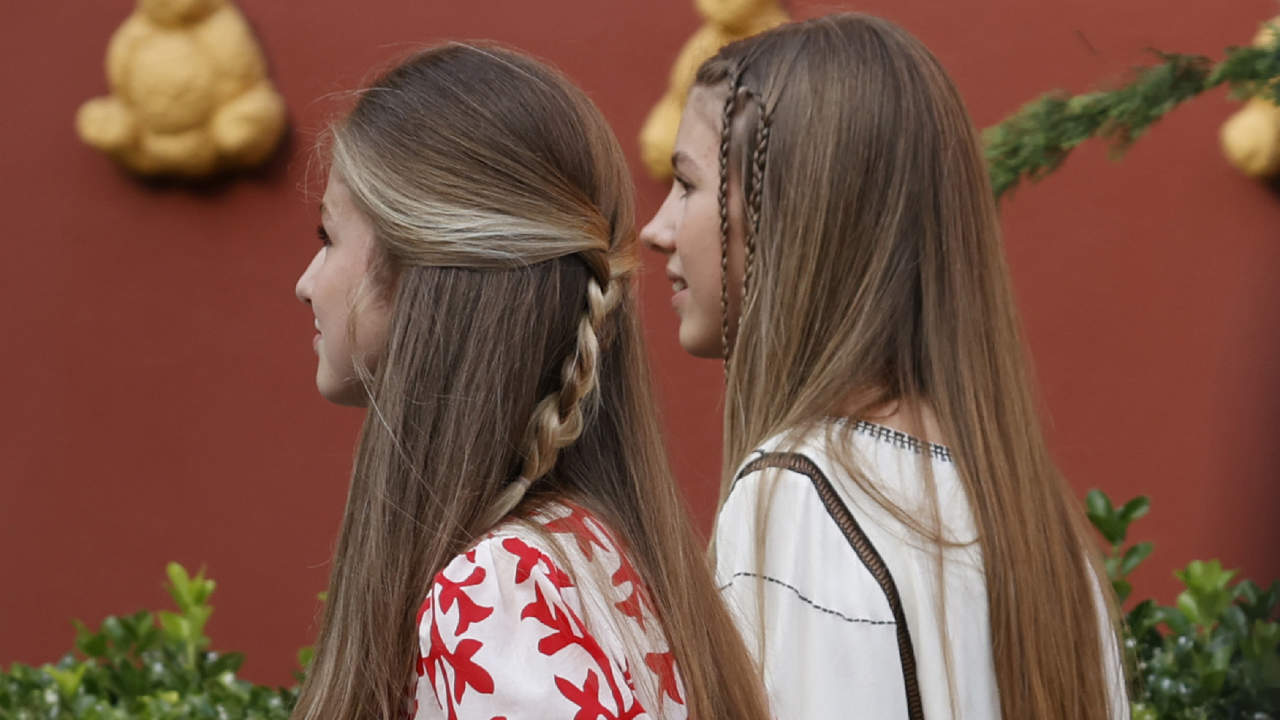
371 329
700 248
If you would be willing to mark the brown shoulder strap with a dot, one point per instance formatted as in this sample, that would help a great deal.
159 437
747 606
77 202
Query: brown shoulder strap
866 552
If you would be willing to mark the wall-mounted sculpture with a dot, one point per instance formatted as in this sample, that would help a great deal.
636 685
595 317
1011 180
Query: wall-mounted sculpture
725 21
1251 137
189 96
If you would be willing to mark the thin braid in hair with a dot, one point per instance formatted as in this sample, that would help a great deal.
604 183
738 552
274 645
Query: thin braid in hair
754 201
726 134
558 418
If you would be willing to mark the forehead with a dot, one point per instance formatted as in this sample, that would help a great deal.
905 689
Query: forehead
699 134
337 198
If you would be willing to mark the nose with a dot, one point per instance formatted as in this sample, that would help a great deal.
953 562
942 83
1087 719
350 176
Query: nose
302 289
659 234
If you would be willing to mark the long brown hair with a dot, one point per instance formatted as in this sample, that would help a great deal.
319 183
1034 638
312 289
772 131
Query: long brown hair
875 270
502 208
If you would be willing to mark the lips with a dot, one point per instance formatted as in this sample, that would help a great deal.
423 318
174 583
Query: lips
677 281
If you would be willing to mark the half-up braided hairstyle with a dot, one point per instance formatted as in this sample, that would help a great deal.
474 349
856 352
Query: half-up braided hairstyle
875 271
514 372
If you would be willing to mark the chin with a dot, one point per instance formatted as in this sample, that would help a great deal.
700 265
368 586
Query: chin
700 345
350 394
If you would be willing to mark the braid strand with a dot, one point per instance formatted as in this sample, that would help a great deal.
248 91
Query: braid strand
726 134
558 419
755 201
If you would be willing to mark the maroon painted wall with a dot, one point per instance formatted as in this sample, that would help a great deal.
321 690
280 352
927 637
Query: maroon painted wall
157 371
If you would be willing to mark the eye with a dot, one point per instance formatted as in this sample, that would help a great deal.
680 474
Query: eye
685 186
323 235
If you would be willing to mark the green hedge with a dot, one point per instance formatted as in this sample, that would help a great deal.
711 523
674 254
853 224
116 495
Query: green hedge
1214 654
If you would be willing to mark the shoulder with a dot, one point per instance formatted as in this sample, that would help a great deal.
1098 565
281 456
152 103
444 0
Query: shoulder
783 472
782 507
501 573
514 622
551 551
501 627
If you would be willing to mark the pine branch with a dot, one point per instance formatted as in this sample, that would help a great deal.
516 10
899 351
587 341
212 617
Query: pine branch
1035 140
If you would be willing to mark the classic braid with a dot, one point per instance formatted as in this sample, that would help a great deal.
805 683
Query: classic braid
754 200
726 134
558 418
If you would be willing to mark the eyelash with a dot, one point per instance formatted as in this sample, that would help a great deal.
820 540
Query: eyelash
685 187
323 235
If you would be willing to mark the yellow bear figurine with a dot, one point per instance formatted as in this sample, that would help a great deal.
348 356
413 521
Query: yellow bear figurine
189 92
1251 137
725 21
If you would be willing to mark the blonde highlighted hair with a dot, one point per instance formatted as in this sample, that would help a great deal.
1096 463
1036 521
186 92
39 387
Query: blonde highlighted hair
514 371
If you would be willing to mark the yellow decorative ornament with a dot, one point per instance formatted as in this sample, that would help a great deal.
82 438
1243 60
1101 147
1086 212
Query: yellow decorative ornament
189 92
725 21
1251 137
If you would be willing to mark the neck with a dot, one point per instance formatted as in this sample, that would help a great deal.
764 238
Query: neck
913 416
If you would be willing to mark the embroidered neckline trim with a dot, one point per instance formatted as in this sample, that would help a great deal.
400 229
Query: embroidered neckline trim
898 439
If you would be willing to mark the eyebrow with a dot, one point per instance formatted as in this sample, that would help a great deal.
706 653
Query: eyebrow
680 157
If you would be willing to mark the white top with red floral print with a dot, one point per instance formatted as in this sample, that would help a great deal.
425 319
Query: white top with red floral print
514 628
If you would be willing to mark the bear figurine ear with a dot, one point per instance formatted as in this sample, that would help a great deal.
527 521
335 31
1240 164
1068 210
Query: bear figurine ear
725 21
190 96
1251 137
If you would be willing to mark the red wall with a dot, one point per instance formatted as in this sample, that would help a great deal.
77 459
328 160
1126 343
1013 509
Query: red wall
157 370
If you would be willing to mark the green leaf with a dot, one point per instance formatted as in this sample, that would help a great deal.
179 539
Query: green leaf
1104 517
92 644
1234 621
225 663
1247 592
1263 641
68 680
1122 589
1259 604
1098 506
1142 711
116 630
1135 508
1134 556
179 585
1207 594
1175 619
1142 618
176 627
305 656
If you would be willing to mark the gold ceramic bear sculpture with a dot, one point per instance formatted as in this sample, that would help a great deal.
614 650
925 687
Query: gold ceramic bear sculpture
725 21
1251 137
189 92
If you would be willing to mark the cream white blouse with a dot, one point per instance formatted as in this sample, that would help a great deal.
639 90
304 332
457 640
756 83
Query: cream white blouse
844 602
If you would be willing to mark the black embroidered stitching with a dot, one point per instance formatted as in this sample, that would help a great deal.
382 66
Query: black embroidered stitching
900 440
816 606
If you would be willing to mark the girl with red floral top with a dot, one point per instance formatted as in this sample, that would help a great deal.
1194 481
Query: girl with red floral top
513 545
